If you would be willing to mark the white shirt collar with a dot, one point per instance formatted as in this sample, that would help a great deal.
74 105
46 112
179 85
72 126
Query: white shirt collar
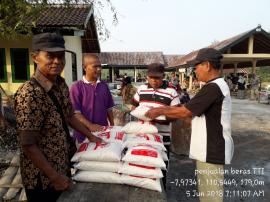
85 81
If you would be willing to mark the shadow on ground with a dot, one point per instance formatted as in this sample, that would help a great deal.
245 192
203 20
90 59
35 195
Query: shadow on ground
247 178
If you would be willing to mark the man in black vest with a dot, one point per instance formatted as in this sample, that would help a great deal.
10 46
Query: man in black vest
211 143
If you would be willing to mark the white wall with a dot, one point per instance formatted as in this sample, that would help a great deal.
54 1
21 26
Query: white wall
73 43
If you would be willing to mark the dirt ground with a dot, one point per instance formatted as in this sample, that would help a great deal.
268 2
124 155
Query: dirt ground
251 135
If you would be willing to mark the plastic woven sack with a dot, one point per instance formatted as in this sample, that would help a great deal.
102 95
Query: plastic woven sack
111 136
144 155
140 111
139 170
144 138
102 177
98 166
109 128
147 183
161 150
100 151
139 127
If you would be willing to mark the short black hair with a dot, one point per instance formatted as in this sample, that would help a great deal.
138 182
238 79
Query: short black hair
126 81
215 64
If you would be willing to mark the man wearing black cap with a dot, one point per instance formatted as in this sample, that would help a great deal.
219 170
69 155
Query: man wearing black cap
43 111
157 93
211 143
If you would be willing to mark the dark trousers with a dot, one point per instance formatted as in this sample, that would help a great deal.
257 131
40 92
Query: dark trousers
42 195
164 172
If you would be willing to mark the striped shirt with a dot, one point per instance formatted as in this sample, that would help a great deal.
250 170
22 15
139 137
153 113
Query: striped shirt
166 95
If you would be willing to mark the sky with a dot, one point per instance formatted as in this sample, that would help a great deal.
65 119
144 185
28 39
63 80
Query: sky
180 26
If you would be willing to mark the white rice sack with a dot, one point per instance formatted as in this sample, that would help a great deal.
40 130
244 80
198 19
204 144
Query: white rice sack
144 155
139 127
134 144
101 177
162 150
144 138
109 129
164 156
99 151
147 183
140 111
139 170
98 166
154 137
111 136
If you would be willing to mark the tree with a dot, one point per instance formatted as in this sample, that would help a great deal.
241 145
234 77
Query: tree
13 13
264 73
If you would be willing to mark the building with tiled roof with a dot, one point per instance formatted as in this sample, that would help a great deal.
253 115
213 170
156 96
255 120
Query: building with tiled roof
172 60
75 16
119 63
126 59
74 22
249 49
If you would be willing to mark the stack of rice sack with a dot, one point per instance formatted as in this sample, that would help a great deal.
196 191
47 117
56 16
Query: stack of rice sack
100 162
140 165
145 155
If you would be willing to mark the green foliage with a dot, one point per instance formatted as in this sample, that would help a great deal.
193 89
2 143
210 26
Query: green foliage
264 73
13 13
